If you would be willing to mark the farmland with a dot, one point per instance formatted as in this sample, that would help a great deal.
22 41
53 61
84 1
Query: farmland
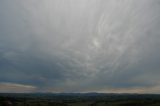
78 99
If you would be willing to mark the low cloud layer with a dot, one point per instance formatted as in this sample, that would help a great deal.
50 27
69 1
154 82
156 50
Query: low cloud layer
81 45
16 88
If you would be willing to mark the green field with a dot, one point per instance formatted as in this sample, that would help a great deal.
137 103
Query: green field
79 100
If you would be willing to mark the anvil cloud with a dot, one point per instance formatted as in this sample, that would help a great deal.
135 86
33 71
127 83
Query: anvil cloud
80 46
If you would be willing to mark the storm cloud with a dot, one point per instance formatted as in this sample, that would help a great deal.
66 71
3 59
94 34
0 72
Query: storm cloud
80 45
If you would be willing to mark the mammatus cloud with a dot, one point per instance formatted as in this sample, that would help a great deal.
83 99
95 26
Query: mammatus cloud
81 45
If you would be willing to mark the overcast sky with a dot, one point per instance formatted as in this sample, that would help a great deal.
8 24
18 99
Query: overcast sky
80 46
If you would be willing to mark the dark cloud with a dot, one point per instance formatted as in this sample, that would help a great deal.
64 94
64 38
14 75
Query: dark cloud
80 46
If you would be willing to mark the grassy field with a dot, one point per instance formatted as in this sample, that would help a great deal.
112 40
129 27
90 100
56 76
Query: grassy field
90 99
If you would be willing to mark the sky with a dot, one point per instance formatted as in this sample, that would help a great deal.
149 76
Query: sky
109 46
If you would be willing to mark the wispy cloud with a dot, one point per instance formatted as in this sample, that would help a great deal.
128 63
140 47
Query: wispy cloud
16 88
80 45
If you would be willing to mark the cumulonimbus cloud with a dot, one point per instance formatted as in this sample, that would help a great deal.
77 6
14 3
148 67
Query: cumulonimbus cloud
80 45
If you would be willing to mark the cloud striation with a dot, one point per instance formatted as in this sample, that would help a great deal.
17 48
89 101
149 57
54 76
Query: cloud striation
80 45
